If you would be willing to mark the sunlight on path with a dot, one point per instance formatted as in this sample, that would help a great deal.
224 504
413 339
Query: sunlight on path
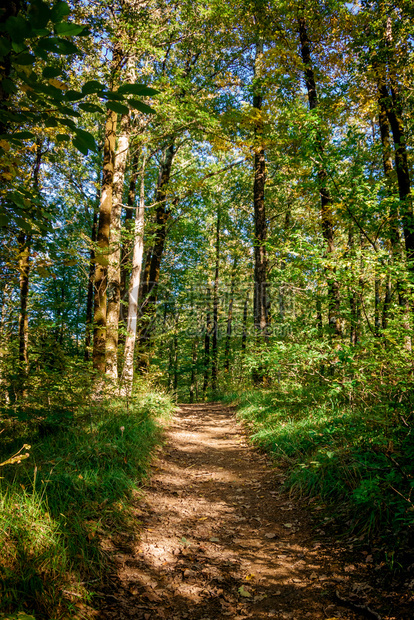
218 538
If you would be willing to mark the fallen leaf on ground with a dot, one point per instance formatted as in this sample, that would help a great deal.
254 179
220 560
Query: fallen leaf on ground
243 592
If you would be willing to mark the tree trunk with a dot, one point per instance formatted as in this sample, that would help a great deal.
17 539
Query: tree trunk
4 339
207 345
101 269
393 106
377 322
91 283
214 359
128 243
153 262
244 328
327 223
23 242
230 318
134 287
114 264
260 222
193 381
387 113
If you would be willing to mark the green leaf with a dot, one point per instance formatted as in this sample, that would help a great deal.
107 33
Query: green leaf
4 220
51 122
68 30
59 11
92 87
24 59
63 109
117 107
78 144
67 47
23 135
137 89
50 90
142 107
40 32
5 46
243 592
62 137
8 86
40 13
73 95
18 28
23 224
51 72
67 122
91 107
57 46
87 139
19 47
112 96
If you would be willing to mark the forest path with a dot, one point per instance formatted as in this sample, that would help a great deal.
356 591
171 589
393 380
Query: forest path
218 538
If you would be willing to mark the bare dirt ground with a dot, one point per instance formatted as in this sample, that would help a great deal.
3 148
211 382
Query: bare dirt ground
218 538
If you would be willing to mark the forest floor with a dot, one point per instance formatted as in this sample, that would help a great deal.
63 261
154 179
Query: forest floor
218 538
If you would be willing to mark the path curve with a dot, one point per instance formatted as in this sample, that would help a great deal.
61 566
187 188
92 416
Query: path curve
218 537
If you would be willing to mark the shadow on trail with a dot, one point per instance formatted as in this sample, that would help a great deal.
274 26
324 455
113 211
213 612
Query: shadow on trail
218 538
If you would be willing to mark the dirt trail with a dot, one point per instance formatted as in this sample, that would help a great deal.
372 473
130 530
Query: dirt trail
218 538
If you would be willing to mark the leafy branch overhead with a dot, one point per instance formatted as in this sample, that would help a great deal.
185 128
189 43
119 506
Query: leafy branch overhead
35 96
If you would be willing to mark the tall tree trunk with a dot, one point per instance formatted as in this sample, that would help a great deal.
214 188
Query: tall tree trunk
101 269
377 298
4 338
134 287
175 358
91 283
393 107
244 324
354 301
327 220
114 264
214 357
193 380
153 262
388 114
260 221
230 317
24 242
207 345
128 242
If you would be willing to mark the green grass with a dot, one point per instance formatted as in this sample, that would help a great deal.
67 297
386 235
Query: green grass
359 461
73 491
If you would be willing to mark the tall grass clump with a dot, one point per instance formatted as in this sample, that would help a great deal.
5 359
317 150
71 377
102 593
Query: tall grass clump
71 494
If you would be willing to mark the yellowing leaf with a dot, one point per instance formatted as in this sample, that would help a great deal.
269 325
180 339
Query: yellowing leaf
58 84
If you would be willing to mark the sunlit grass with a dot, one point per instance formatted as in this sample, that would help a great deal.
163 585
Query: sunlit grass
73 491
